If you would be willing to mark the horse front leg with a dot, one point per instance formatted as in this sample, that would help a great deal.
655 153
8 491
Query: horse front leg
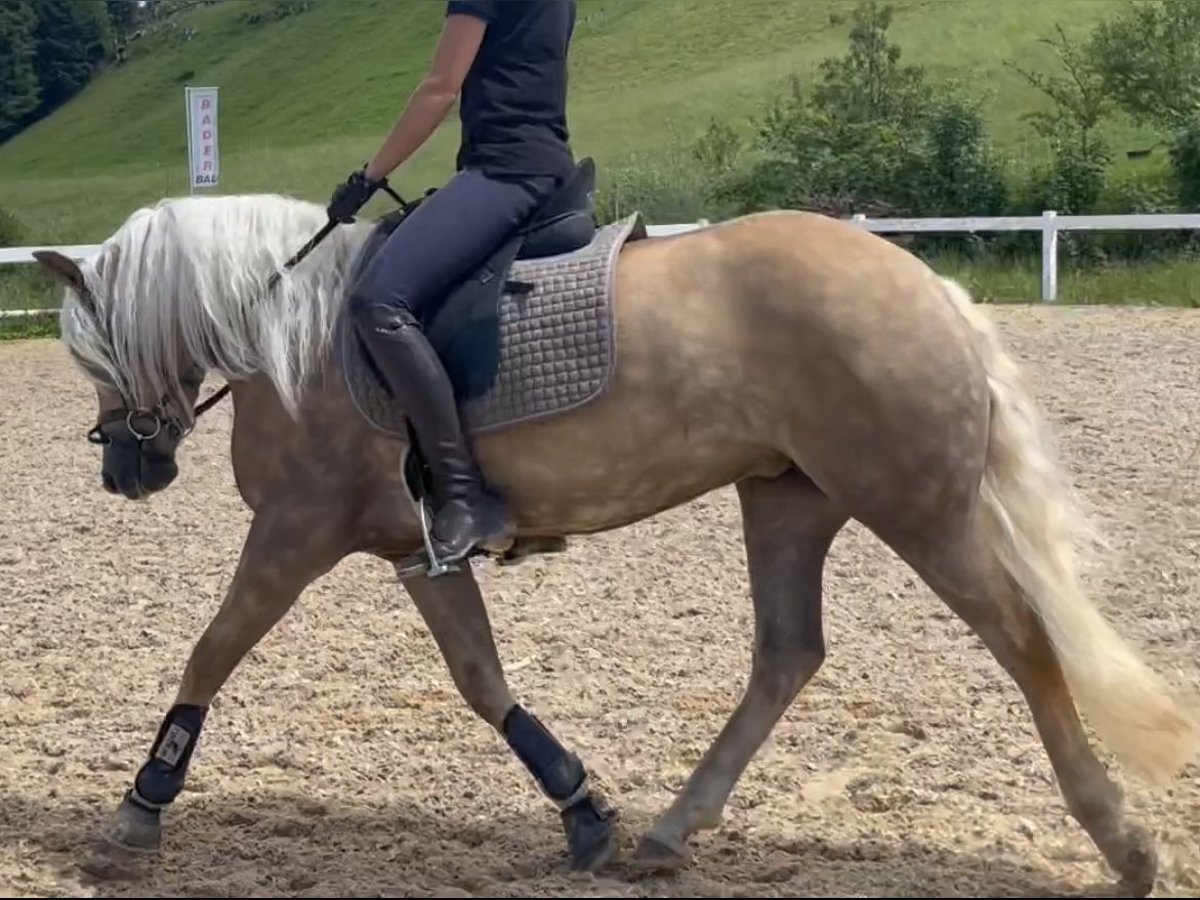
285 551
453 609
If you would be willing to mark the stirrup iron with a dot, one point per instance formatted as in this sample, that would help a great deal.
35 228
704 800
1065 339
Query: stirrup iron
431 566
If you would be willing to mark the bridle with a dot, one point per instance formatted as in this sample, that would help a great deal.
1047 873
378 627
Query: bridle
96 434
158 415
157 419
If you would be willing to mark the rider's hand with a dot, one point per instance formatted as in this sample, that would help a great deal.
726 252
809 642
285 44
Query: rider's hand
352 195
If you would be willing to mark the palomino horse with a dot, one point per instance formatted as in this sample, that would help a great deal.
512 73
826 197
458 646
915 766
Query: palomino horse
825 372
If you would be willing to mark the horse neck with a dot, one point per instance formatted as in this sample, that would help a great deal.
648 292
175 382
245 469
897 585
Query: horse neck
282 330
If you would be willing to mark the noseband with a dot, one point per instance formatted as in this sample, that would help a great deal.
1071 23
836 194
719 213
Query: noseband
145 424
158 420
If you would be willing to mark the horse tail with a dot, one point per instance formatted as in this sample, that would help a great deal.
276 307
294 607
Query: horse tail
1035 529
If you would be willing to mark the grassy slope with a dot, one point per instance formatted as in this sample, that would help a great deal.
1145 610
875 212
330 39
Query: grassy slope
307 98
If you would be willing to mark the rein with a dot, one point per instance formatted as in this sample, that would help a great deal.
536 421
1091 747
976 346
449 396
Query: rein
276 276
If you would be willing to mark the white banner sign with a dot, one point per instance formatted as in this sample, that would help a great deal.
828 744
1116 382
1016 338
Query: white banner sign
203 157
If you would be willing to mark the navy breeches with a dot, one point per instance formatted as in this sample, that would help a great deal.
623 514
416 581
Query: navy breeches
443 240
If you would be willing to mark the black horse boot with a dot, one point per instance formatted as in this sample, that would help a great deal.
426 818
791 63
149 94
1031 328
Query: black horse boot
467 515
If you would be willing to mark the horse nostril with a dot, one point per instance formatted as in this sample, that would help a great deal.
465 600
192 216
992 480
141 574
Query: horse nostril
110 484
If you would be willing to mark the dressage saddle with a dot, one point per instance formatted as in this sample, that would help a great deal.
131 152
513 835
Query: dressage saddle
566 221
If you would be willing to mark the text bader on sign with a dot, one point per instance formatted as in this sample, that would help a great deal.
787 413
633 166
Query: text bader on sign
203 156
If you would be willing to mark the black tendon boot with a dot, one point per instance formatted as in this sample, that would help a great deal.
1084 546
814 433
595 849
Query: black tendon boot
466 515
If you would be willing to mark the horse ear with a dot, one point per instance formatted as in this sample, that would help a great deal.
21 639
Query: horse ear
61 267
66 270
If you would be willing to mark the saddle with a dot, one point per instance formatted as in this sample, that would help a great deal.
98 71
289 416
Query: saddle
528 335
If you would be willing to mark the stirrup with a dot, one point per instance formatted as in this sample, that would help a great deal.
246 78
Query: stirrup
431 566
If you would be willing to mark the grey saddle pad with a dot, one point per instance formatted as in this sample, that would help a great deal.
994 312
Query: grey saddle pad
557 343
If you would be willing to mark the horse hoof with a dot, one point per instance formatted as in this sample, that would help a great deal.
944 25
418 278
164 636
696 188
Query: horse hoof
591 836
659 854
1139 867
135 828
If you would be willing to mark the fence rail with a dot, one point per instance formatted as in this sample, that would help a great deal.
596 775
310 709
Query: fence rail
1048 223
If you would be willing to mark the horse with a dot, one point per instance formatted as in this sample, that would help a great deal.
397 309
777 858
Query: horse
825 373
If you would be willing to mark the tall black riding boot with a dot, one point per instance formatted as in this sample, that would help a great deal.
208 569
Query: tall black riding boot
466 513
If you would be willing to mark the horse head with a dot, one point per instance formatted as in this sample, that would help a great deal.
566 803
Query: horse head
140 442
186 287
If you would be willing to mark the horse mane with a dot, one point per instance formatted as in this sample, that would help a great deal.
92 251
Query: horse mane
183 283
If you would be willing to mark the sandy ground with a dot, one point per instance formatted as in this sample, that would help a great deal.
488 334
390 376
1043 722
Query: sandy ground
339 760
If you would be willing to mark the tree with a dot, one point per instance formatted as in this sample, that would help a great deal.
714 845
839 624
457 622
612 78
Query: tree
20 93
73 37
1148 60
868 84
125 16
1081 104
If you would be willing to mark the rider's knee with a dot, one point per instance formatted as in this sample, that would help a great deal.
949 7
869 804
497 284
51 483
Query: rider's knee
371 310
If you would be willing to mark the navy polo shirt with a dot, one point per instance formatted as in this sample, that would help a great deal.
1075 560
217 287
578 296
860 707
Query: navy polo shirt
514 99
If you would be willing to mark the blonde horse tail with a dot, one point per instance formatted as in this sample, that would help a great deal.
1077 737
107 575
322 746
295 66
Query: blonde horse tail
1035 529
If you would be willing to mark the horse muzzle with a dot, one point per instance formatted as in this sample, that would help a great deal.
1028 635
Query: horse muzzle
136 471
139 456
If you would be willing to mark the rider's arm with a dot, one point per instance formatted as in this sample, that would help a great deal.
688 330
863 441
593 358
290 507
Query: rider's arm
434 97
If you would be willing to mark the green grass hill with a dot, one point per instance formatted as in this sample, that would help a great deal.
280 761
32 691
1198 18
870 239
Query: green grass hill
308 90
306 97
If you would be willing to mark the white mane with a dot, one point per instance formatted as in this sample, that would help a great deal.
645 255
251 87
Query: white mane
184 283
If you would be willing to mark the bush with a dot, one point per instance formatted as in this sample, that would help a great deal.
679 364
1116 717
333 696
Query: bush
871 136
956 172
1185 164
876 137
1147 191
664 191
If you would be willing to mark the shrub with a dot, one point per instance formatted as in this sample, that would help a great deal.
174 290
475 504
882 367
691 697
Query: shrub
871 136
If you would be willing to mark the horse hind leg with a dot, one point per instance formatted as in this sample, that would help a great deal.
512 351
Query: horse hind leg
788 527
1006 564
968 579
454 610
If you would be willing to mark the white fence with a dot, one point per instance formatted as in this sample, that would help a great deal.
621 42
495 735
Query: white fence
1048 223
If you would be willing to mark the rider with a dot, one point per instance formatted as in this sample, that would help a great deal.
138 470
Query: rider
509 61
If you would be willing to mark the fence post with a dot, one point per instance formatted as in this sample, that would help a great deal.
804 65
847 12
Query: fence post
1049 256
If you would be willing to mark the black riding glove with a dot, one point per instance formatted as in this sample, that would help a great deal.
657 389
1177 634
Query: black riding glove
352 195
